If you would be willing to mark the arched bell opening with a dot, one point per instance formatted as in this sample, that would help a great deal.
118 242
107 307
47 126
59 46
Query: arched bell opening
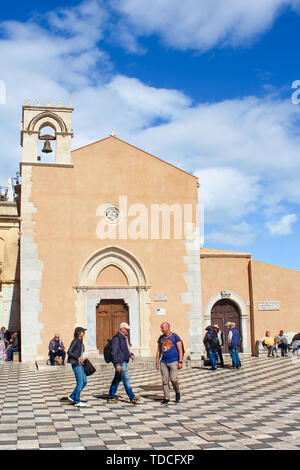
47 144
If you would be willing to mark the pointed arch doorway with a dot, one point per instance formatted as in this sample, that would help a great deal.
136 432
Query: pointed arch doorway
97 281
110 313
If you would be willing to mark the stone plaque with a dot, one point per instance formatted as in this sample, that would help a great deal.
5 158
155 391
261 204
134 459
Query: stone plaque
269 305
160 297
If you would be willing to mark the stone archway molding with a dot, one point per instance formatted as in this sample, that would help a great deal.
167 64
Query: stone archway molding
135 294
112 256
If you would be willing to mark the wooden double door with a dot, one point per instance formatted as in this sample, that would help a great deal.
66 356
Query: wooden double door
109 315
222 312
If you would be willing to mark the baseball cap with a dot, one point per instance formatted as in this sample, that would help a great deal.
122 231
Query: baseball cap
79 329
125 325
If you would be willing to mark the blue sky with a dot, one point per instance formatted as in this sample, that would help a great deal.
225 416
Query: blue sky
203 85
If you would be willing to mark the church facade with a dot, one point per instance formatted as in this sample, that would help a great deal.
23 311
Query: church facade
109 233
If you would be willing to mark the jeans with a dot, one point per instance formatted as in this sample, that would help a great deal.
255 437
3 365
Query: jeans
271 350
213 357
81 382
124 376
284 348
235 357
10 353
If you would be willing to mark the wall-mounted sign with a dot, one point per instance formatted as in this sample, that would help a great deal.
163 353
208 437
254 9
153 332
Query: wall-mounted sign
160 297
269 305
148 301
160 311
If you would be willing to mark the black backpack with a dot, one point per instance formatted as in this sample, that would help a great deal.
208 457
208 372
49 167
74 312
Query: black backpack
107 351
214 342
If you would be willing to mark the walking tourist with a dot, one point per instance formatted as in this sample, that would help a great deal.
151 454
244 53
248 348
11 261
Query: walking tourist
75 358
169 356
121 354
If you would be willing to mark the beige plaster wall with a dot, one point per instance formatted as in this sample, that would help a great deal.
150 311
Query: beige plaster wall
65 229
274 283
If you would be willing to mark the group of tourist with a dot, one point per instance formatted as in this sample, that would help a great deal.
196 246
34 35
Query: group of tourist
169 356
169 359
9 343
280 341
214 342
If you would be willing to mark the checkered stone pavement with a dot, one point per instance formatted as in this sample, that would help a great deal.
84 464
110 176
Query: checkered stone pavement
255 407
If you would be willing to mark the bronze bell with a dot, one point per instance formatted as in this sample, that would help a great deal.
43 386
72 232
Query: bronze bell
47 147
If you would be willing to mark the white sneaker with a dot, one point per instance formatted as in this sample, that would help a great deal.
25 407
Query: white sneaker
83 405
70 399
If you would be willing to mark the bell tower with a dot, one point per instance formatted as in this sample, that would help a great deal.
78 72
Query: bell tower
35 118
50 126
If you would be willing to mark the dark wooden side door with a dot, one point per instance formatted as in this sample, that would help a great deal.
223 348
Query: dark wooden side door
223 311
109 315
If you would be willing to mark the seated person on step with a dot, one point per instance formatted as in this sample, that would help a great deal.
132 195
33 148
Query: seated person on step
282 343
296 344
269 342
56 349
13 346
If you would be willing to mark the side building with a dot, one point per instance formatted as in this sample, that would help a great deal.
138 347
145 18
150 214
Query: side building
9 265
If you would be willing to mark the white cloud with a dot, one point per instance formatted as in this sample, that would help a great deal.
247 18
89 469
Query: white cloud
201 24
282 226
227 194
234 235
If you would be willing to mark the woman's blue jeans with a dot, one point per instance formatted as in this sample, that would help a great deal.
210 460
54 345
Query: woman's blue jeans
81 382
124 376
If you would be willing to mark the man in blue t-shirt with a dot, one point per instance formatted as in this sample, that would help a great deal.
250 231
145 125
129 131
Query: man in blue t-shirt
169 354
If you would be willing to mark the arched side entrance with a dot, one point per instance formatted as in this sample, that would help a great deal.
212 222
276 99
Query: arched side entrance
242 309
90 295
222 312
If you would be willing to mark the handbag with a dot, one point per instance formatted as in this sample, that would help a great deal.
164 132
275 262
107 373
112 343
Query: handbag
88 367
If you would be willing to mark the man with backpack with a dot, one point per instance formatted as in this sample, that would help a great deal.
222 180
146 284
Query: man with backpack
234 342
120 354
169 358
211 344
